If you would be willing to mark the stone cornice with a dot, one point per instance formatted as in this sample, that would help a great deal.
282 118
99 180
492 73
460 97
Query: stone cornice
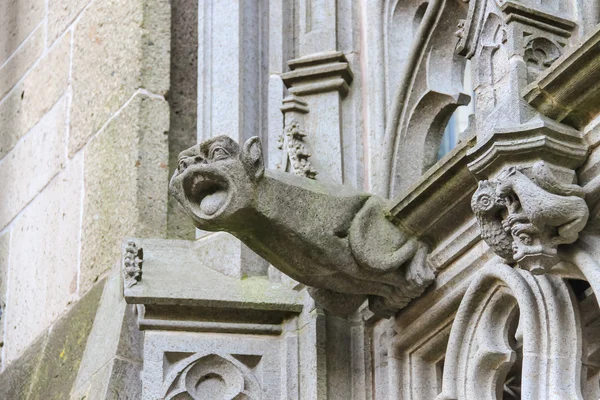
569 91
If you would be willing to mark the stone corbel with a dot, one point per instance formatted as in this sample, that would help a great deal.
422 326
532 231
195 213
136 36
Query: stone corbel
524 218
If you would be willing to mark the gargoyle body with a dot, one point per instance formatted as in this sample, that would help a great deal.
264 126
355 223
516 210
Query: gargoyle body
329 237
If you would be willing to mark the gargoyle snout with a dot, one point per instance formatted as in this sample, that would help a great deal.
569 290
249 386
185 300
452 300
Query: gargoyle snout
186 162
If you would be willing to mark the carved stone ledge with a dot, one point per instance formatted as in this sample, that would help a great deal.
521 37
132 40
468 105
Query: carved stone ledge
322 72
535 17
540 139
569 91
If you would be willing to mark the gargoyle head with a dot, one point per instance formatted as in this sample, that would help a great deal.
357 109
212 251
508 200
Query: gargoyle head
215 180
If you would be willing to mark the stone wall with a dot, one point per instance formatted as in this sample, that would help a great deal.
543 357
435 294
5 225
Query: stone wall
84 118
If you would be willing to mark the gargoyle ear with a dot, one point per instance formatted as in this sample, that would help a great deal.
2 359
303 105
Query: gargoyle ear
252 157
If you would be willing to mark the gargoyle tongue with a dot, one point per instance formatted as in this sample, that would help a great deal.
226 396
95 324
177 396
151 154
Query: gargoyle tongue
211 203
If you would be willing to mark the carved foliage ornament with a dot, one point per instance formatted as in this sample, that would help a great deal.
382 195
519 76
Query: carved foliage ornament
293 141
132 264
523 219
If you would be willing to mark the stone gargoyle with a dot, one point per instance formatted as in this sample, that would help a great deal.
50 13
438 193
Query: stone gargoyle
329 237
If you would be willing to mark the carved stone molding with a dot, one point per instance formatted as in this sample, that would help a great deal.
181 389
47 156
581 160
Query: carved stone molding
508 317
318 73
133 259
210 376
577 70
524 218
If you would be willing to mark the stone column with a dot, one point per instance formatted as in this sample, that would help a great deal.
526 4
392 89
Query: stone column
233 94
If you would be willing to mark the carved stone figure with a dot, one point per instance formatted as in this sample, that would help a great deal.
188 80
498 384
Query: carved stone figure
488 210
330 237
537 214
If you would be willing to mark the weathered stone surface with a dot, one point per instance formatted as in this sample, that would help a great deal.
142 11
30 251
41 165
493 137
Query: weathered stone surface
330 237
26 104
43 151
65 346
226 254
43 259
114 334
21 61
118 48
17 378
47 368
183 100
4 256
17 19
130 154
173 266
60 15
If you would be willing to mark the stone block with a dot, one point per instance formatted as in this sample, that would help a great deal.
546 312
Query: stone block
17 378
33 97
60 15
4 254
43 259
118 379
115 334
42 150
17 19
47 368
126 175
21 61
230 363
118 48
65 347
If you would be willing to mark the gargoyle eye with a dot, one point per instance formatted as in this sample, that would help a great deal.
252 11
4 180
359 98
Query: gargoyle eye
219 153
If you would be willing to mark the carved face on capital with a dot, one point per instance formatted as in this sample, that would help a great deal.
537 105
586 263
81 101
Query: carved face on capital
215 179
530 241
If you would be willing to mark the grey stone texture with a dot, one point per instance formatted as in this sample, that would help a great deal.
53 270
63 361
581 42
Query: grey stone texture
130 153
48 368
118 48
43 278
21 60
26 104
17 20
111 364
183 100
43 148
351 94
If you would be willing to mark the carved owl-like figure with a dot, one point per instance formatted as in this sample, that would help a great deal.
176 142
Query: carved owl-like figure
487 209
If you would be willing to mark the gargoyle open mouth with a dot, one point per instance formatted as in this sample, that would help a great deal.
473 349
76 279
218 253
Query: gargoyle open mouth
207 191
